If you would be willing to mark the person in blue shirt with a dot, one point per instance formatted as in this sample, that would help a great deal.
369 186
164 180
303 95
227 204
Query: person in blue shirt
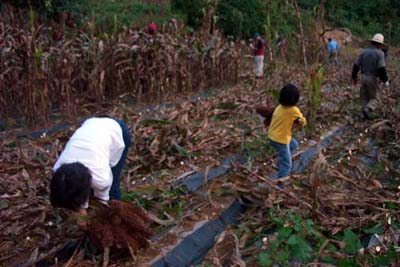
333 50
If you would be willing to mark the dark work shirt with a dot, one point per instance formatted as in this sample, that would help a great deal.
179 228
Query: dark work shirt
370 60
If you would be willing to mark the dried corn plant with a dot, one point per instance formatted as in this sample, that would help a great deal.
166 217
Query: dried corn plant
40 74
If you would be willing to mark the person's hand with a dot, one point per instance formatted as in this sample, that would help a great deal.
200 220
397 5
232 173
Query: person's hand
267 122
296 124
82 219
387 83
353 83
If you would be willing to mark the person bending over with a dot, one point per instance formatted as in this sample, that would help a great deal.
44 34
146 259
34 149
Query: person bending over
92 160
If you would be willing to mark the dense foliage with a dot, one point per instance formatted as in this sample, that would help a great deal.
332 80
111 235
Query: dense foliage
363 17
235 17
193 10
242 18
105 15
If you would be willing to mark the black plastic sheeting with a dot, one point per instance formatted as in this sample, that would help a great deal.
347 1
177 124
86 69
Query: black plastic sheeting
307 156
367 161
58 128
49 131
373 153
193 248
61 255
195 181
39 133
203 95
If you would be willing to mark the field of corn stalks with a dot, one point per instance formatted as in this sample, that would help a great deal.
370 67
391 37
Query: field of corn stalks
350 191
46 69
195 135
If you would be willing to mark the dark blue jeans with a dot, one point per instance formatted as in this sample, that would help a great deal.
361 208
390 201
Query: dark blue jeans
115 191
285 156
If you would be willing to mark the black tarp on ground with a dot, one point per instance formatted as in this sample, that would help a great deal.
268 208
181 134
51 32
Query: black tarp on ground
193 248
196 180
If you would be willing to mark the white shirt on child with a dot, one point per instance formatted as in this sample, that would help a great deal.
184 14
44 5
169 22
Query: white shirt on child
98 144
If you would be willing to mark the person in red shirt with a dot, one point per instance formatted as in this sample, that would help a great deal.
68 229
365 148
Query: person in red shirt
152 28
258 50
151 31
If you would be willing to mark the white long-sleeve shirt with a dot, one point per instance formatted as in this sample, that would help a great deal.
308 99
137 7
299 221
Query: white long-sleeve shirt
98 144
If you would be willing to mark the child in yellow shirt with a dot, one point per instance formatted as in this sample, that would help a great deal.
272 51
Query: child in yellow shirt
280 130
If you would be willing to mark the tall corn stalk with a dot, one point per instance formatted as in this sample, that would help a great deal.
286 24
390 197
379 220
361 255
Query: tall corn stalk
302 38
313 86
37 97
268 38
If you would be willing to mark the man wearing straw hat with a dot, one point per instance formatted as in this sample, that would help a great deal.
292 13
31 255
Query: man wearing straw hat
371 62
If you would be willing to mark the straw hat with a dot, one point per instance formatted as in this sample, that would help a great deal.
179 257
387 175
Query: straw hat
378 38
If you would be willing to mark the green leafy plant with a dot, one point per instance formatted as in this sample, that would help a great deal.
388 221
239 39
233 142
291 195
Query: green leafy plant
257 147
295 235
376 229
352 242
299 239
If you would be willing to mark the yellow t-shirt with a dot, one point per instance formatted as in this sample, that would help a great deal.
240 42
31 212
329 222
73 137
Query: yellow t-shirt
280 129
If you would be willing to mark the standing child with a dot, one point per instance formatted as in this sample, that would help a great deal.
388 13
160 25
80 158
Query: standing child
286 114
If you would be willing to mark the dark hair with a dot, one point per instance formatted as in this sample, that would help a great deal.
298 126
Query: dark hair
376 44
289 95
329 39
70 186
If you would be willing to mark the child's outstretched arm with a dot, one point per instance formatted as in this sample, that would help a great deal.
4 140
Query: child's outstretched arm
300 120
